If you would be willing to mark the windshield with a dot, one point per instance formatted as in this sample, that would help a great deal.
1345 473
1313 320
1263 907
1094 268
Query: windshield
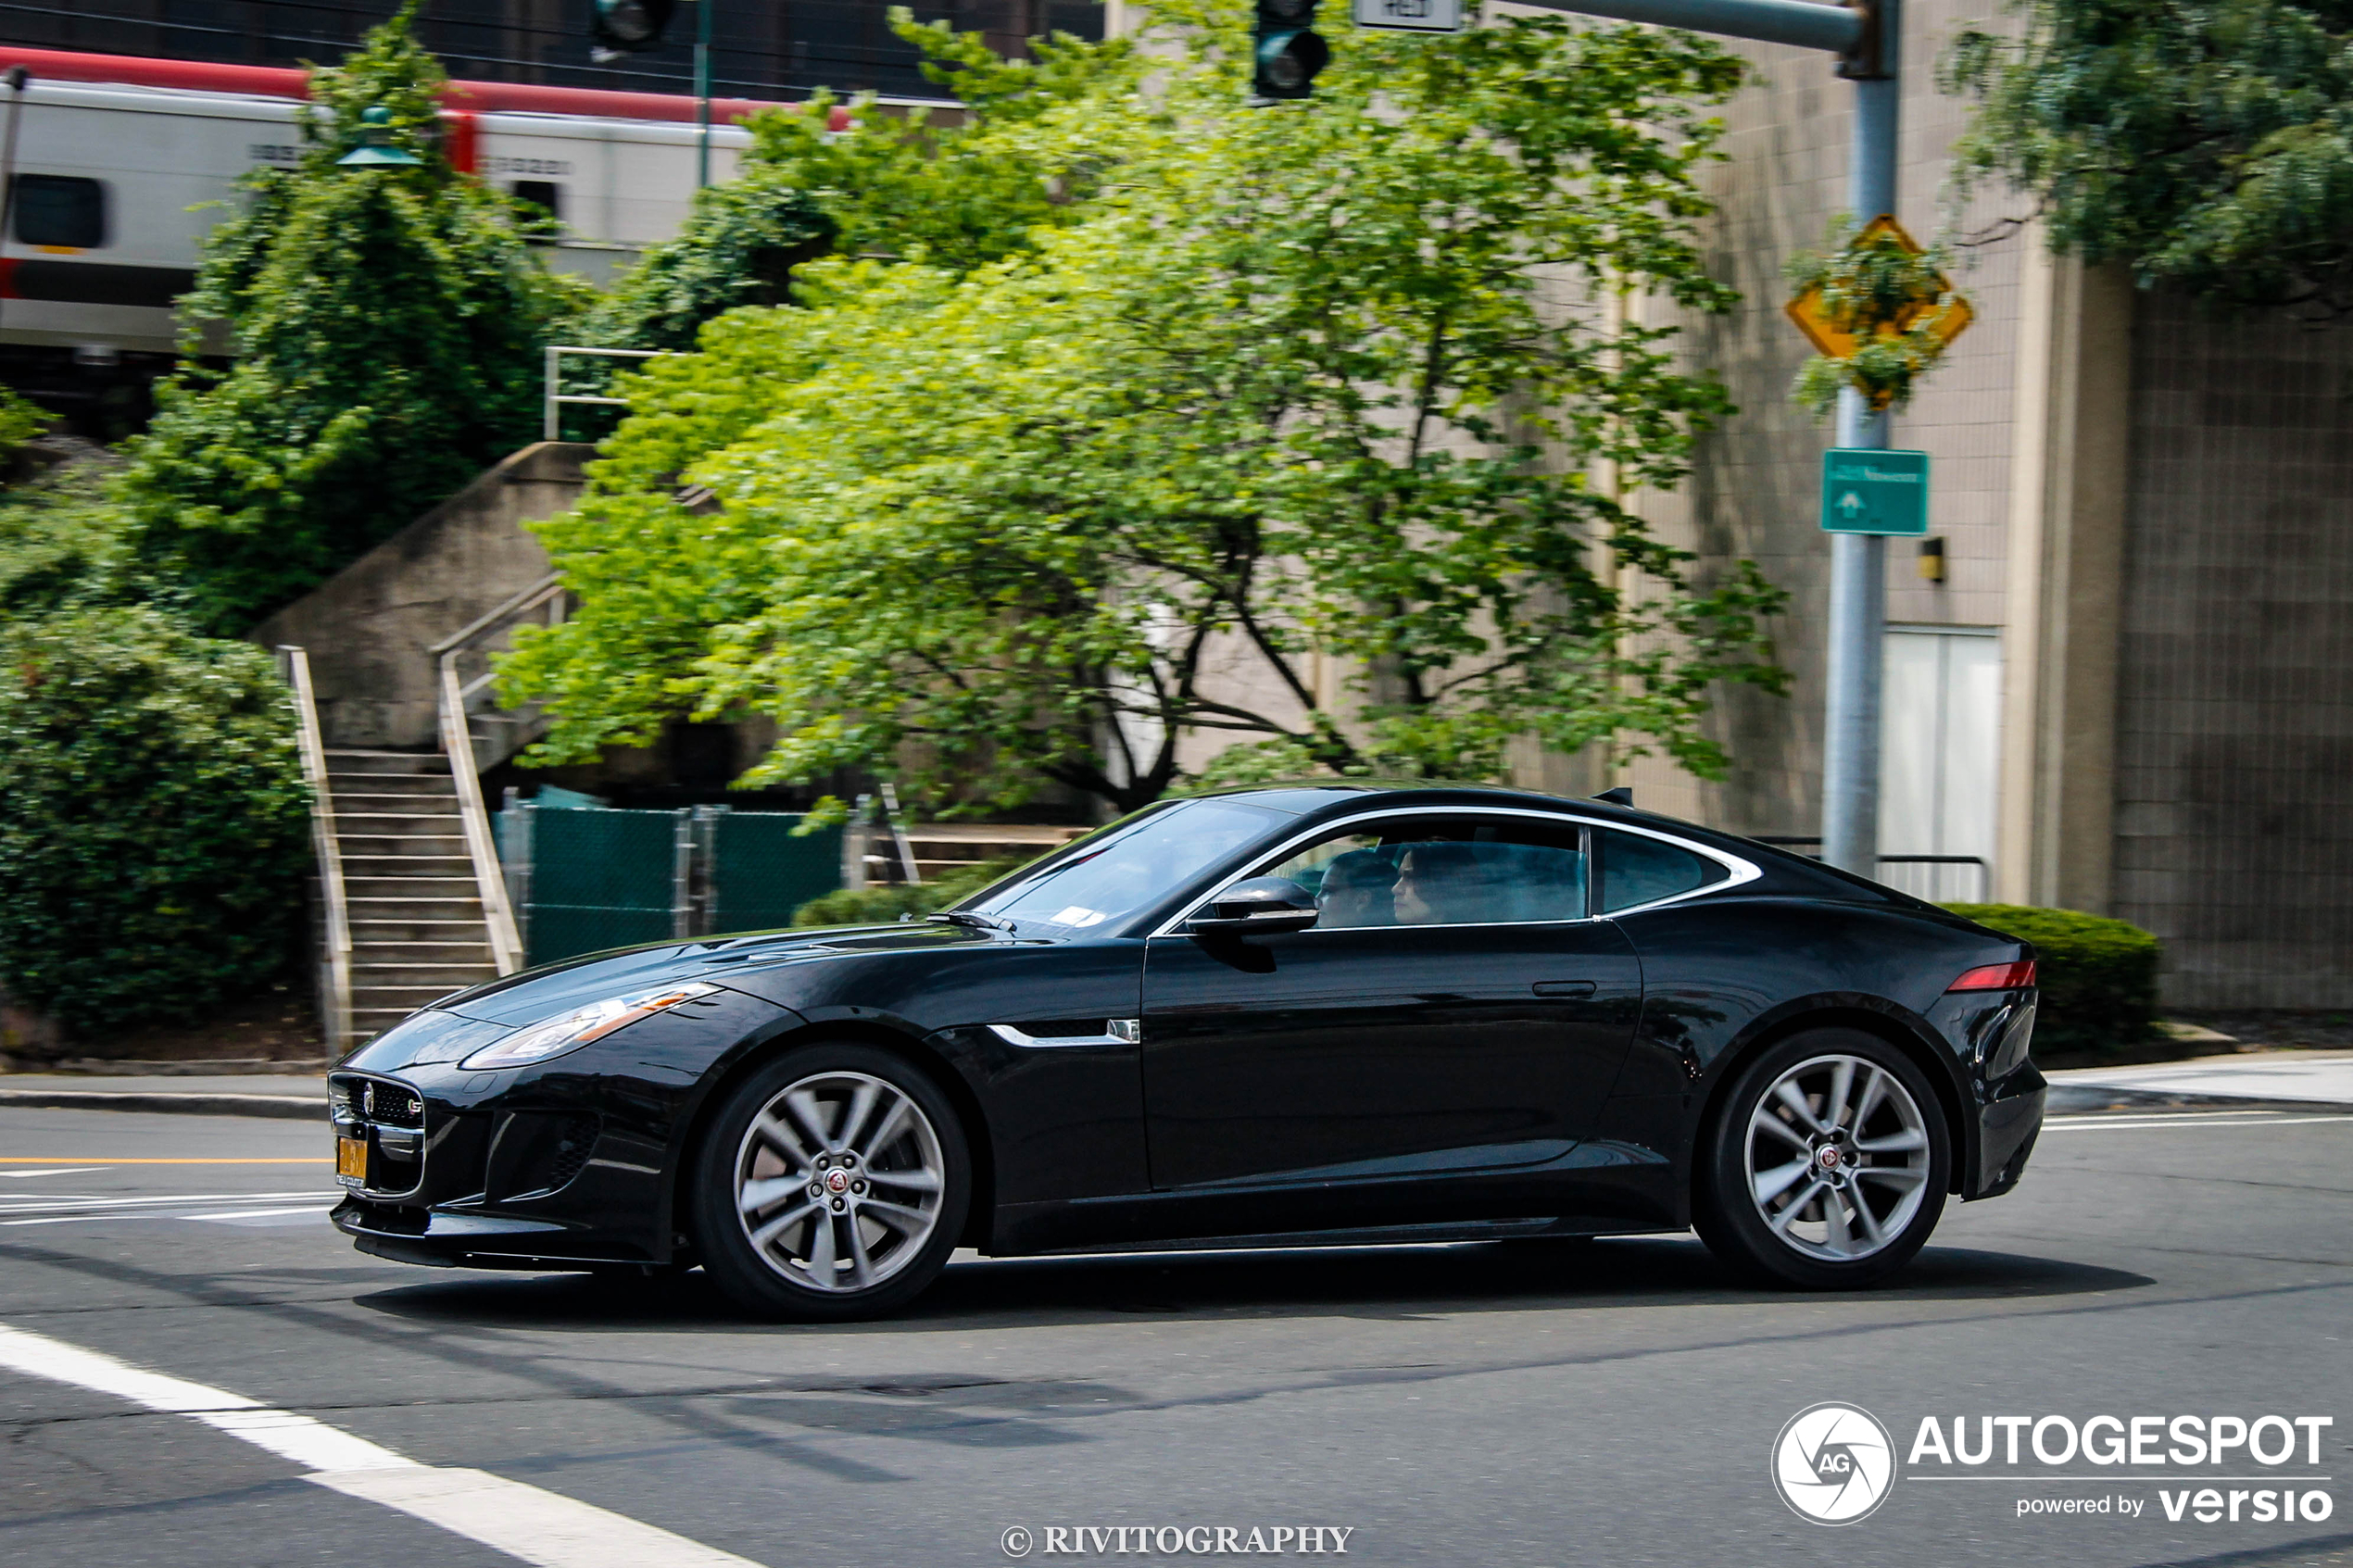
1130 868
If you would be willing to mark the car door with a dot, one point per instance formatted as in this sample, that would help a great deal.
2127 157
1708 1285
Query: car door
1452 1015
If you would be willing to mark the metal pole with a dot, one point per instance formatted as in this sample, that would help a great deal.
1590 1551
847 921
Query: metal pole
702 90
1858 561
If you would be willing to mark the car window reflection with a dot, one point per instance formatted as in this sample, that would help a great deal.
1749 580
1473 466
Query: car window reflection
1417 872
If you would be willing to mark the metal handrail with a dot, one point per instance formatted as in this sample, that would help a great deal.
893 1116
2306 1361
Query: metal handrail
335 990
530 598
498 916
552 423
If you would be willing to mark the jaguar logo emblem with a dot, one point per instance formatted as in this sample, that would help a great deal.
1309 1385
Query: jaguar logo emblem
837 1181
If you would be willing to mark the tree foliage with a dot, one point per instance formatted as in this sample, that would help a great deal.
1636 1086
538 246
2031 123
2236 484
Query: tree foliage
152 817
821 178
2207 144
387 324
1311 389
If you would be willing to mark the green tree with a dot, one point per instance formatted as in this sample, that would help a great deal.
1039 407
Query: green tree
858 177
387 324
1310 387
2209 146
152 817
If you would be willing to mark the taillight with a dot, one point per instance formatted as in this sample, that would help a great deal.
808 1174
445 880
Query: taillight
1996 977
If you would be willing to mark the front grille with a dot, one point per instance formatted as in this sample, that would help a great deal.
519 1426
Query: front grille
374 1099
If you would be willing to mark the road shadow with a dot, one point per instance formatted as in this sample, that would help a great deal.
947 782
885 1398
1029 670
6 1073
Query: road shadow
1372 1282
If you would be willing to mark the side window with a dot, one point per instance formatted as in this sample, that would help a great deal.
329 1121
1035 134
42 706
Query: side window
60 209
1637 869
1443 871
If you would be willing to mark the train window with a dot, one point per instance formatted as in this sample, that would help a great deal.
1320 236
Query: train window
60 209
544 194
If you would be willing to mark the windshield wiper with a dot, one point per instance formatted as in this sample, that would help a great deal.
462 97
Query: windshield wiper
966 917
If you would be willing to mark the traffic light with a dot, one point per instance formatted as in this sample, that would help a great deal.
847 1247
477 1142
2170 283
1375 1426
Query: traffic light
627 27
1289 53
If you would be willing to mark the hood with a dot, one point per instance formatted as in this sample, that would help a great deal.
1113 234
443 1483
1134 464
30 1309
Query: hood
517 1000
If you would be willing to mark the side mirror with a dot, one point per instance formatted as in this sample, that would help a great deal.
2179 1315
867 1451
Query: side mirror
1261 904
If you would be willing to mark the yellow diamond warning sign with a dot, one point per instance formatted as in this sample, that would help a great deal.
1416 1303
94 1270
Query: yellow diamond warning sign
1834 336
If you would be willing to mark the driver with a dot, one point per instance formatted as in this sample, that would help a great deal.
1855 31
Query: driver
1355 891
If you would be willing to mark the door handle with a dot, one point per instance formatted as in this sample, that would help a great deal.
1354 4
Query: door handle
1563 988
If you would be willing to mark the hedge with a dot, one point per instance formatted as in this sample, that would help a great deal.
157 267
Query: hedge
2098 976
870 905
152 820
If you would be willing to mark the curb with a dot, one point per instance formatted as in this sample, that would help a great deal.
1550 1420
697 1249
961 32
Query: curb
279 1106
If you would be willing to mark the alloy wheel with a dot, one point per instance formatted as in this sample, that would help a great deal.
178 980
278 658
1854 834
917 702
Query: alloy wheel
1838 1158
840 1180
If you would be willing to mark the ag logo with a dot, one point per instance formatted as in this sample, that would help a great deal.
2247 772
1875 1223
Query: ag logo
1833 1463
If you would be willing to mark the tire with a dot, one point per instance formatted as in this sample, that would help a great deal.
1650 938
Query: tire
831 1186
1815 1202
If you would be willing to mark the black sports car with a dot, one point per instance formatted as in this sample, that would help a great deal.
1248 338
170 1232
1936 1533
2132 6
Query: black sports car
1287 1015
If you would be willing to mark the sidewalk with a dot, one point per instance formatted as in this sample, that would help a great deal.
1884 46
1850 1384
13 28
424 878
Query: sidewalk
2296 1077
277 1095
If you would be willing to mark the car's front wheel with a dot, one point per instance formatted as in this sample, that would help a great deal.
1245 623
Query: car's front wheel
833 1184
1828 1166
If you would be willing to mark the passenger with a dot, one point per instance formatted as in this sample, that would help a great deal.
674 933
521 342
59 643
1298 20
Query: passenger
1441 884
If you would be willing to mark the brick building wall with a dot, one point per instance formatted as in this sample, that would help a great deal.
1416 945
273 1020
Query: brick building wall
2234 711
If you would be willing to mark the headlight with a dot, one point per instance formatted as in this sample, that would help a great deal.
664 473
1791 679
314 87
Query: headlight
569 1031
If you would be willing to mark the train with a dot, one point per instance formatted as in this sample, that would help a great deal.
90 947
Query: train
120 165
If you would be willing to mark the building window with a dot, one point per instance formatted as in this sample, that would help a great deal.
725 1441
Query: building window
60 209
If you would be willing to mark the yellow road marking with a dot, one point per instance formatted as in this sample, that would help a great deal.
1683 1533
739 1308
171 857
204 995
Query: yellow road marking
108 1160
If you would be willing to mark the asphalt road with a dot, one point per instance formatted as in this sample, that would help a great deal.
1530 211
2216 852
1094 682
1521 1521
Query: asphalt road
1616 1404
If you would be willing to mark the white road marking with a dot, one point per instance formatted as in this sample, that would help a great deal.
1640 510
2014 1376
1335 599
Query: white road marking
544 1528
297 1209
60 1170
87 1205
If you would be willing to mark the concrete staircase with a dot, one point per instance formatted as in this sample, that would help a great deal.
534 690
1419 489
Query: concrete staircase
417 925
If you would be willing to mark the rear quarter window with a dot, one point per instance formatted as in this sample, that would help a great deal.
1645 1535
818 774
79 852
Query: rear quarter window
1635 869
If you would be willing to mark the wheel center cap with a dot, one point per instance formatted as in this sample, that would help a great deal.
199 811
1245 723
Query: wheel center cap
1828 1157
837 1181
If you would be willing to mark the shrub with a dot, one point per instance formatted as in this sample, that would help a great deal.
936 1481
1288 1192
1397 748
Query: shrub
152 818
2098 976
870 905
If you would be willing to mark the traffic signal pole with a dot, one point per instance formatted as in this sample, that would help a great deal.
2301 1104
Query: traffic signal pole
1868 39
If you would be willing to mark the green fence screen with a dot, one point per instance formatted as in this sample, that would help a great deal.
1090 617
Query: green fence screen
587 878
599 879
760 874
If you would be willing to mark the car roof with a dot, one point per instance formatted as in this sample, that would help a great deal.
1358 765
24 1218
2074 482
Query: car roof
1318 799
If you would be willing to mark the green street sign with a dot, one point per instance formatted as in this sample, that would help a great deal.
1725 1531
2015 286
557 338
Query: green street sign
1872 492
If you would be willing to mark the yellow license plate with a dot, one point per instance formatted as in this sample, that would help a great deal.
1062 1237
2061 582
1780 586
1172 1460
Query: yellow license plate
351 1157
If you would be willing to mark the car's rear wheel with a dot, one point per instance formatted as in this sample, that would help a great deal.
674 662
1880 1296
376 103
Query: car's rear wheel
1827 1167
832 1185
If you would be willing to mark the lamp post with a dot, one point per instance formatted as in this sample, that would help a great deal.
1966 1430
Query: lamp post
702 90
377 147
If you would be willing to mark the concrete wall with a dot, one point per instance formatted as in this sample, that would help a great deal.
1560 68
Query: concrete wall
369 630
2234 711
